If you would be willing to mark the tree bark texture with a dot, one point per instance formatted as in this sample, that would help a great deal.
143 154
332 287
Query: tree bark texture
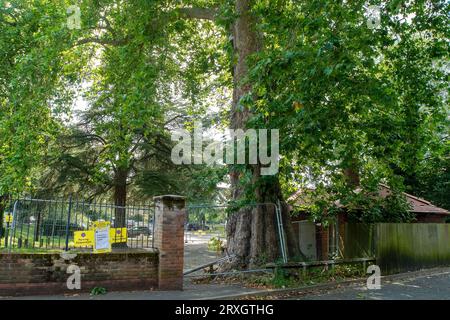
120 198
252 231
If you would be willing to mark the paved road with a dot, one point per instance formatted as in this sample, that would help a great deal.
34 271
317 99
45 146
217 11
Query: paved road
434 286
427 285
190 292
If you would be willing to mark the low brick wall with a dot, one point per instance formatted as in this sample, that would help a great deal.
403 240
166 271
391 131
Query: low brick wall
33 274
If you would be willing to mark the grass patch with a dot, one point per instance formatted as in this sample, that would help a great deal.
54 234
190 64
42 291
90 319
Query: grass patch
286 278
29 250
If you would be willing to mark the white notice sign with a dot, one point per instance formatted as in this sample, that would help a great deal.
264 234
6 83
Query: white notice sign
102 241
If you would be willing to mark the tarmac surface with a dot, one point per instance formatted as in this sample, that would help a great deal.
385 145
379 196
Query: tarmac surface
432 286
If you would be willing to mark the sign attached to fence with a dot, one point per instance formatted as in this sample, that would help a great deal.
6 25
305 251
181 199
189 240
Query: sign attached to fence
102 241
83 239
8 218
118 235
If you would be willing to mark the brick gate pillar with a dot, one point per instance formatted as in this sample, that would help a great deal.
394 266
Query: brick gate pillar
170 215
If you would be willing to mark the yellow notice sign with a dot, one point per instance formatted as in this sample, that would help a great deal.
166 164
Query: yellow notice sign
102 239
118 235
83 239
8 218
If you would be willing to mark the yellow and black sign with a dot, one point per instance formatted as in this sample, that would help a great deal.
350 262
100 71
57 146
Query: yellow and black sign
83 239
8 218
118 235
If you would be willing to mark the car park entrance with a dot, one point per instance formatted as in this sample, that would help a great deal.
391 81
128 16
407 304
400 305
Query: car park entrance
205 236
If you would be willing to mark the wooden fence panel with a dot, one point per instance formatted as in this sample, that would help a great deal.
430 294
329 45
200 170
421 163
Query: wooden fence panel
404 246
358 241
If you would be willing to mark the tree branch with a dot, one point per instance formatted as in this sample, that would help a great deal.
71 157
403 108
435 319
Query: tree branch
173 119
93 136
198 13
103 42
188 13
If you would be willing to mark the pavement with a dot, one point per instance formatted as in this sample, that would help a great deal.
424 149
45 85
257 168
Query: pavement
196 253
431 284
190 292
426 285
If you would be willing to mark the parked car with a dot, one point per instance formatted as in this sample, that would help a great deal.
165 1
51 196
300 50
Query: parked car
57 228
137 231
196 227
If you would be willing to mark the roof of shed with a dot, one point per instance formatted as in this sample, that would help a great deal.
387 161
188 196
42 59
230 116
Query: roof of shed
303 197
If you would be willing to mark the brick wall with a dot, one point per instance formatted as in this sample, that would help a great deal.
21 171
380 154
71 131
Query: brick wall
170 216
33 274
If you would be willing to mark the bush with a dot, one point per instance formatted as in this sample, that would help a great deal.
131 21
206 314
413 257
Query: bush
98 291
215 244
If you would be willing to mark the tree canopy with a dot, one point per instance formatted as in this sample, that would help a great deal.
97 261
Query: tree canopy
91 109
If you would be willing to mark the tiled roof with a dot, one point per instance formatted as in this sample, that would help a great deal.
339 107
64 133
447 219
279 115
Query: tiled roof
303 197
418 205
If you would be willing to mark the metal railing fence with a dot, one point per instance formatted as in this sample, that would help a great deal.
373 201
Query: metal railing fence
39 224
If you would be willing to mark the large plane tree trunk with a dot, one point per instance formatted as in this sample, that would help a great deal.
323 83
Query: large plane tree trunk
351 173
3 199
120 201
120 198
252 232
